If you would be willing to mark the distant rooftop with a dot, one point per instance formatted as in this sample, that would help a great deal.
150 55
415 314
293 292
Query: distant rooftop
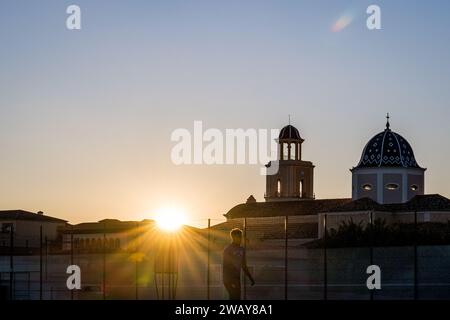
114 226
28 216
427 202
284 208
110 225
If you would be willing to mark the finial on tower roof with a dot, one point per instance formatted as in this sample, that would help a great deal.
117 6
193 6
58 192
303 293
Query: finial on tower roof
387 121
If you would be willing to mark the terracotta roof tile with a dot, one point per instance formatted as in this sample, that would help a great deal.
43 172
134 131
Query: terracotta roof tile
283 208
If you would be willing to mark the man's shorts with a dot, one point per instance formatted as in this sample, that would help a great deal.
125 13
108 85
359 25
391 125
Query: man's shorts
234 290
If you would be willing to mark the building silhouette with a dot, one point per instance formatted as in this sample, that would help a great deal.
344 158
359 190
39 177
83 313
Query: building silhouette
26 227
387 184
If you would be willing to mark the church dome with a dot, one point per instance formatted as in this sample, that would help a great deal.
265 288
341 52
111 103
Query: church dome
388 149
289 133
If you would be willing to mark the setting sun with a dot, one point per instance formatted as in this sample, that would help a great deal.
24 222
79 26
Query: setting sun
170 218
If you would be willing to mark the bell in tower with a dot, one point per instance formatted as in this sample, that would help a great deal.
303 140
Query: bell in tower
295 177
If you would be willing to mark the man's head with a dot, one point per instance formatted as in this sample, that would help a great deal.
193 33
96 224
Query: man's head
236 236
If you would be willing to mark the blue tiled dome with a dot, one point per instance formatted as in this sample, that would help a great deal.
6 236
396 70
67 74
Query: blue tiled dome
388 149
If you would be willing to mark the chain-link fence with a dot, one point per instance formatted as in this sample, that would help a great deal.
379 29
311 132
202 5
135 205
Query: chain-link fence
289 258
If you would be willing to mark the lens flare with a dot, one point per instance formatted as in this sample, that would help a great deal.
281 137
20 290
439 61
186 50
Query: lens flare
342 22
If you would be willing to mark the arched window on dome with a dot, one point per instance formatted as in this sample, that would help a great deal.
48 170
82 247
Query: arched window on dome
392 186
285 151
278 188
293 151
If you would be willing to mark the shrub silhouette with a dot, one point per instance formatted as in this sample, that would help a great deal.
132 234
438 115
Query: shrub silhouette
352 234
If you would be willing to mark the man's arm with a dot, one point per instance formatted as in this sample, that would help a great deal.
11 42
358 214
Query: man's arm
246 271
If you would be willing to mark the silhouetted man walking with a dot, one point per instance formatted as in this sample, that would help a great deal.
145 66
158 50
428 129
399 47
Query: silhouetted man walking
233 261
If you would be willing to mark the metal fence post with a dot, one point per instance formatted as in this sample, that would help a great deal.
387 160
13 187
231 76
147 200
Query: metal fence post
71 255
46 258
169 271
325 262
208 266
245 249
40 263
136 270
11 262
104 261
416 284
371 247
163 270
285 257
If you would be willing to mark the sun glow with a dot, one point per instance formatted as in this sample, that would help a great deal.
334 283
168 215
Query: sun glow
170 219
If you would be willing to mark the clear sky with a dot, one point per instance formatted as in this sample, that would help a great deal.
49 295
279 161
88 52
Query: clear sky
86 116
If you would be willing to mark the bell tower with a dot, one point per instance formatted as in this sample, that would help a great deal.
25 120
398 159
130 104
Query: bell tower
295 177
